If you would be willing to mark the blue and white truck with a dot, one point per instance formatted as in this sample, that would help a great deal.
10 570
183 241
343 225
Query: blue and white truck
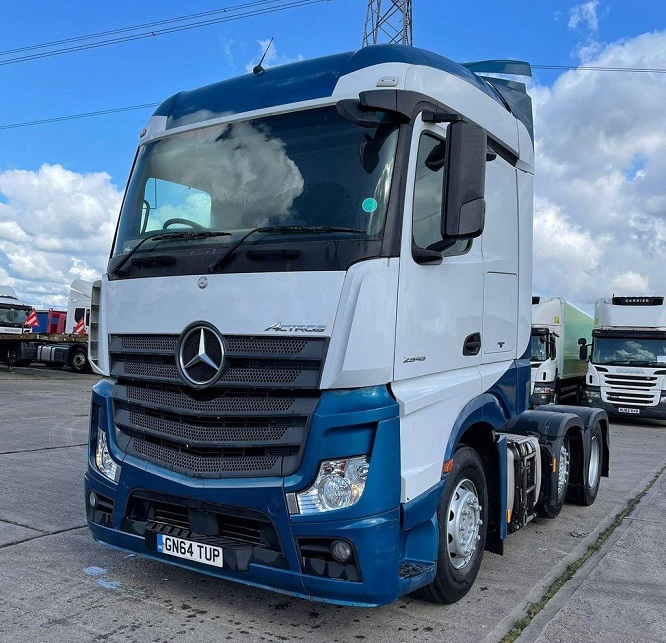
626 372
314 330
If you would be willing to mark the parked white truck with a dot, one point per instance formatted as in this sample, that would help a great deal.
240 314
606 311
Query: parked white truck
558 375
314 329
626 372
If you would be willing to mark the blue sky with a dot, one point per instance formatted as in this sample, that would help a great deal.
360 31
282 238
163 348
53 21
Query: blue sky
600 209
152 69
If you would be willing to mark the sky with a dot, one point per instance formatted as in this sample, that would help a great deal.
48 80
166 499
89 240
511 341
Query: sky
600 193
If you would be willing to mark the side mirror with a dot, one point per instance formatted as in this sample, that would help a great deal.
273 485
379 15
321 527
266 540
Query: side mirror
464 186
582 354
582 341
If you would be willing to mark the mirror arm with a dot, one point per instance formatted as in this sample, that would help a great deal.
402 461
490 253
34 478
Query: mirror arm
426 257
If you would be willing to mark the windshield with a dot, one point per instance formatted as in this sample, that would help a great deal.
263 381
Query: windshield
538 348
306 168
645 352
13 316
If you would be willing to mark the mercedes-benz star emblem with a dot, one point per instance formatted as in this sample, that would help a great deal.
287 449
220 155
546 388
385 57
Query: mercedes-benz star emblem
200 355
203 282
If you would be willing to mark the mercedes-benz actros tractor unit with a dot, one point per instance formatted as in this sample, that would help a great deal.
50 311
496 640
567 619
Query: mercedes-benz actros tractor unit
626 372
558 374
313 333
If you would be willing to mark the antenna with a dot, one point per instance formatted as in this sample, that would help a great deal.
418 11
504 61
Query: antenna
390 25
258 69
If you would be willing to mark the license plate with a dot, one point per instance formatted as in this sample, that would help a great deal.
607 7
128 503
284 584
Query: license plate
189 550
624 409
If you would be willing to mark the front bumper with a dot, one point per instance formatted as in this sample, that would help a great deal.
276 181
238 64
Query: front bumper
372 526
657 412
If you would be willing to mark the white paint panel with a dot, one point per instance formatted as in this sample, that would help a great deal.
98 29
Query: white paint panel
525 204
245 303
429 407
361 348
463 97
526 162
350 85
500 315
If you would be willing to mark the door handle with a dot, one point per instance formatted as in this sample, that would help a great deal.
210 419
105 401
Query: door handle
472 344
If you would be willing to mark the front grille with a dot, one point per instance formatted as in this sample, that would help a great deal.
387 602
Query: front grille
252 422
634 390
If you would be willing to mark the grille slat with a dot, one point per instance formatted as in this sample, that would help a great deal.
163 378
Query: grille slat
205 466
633 390
246 434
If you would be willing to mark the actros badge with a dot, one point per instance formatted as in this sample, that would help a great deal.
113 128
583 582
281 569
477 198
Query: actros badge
200 355
297 328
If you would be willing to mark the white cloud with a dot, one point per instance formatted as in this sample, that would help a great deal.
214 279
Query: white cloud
272 59
601 197
584 14
55 225
630 283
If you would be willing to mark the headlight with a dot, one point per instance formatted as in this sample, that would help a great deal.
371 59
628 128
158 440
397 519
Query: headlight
592 395
339 484
105 463
543 390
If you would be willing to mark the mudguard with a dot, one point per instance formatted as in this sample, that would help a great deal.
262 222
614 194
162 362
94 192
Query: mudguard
590 416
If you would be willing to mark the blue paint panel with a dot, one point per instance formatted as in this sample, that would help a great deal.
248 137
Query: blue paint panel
344 423
300 81
513 388
292 83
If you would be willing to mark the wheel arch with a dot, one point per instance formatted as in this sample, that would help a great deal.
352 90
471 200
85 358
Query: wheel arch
475 427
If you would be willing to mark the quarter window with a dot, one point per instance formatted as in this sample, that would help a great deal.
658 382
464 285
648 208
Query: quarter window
427 211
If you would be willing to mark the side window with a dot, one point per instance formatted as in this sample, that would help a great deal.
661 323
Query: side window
427 213
78 314
180 206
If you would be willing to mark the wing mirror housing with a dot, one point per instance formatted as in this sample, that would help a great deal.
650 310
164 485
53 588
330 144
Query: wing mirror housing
582 353
464 182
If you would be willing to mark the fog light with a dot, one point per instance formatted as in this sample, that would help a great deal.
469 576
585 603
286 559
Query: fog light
92 499
105 463
663 397
341 551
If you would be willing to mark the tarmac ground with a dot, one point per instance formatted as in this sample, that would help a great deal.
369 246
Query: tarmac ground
57 584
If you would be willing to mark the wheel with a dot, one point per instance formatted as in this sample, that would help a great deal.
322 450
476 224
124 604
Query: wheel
78 362
586 493
552 510
462 529
186 222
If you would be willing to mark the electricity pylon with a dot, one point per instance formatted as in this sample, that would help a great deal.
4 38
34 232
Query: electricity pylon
388 21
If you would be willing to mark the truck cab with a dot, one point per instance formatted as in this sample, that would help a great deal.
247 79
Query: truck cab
313 333
626 372
558 376
13 312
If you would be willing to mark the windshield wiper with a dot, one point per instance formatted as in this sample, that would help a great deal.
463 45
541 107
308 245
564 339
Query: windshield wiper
167 235
214 266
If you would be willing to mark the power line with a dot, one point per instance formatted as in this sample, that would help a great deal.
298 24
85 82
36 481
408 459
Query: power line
70 117
145 25
115 110
158 32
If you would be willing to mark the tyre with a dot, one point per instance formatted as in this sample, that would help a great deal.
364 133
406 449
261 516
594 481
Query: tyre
552 510
586 493
78 361
462 529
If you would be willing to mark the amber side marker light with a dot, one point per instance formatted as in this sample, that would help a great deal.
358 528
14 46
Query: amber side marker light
447 467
